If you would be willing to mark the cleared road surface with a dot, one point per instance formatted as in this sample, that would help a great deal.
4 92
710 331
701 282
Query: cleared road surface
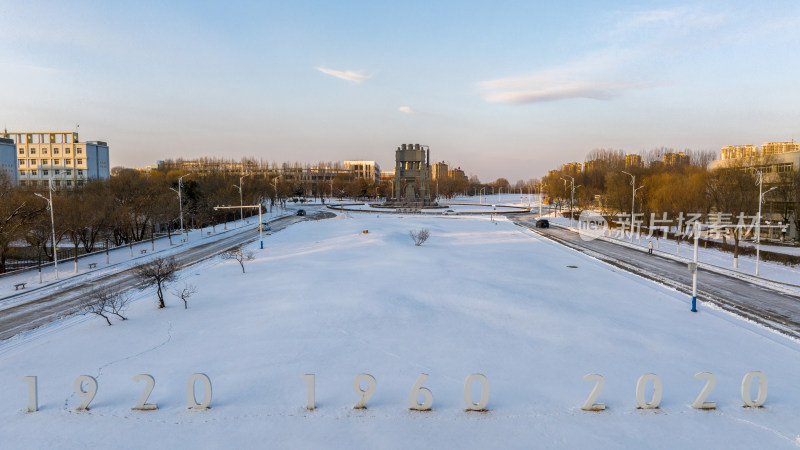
761 304
33 311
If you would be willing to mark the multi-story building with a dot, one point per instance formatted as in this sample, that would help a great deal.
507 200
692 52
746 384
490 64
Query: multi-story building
439 171
773 148
675 159
594 164
59 156
368 170
633 161
738 151
8 159
457 174
387 175
573 168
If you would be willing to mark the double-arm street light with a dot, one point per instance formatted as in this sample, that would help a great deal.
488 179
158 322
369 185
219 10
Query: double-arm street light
260 223
758 218
180 200
633 199
241 202
52 223
572 198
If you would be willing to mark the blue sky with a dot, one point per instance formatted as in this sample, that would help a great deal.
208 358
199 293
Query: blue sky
505 89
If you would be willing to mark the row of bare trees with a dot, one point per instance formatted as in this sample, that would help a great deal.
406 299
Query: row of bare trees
731 188
130 206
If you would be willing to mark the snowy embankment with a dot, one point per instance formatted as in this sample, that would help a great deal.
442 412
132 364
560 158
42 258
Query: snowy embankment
478 297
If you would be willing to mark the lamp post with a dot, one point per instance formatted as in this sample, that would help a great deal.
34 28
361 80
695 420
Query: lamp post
758 218
180 200
572 198
483 189
241 202
633 199
693 267
52 223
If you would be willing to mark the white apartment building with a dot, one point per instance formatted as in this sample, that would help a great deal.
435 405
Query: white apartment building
58 156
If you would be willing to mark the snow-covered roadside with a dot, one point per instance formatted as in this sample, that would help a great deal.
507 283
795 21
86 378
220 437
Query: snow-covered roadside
119 258
325 298
767 270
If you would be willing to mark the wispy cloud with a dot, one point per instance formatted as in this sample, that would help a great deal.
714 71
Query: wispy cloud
559 91
407 110
348 75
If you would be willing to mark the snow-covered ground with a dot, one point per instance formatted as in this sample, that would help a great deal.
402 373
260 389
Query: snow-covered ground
122 257
747 263
479 296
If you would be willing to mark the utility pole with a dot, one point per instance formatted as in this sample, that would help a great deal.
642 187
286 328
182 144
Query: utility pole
52 223
633 200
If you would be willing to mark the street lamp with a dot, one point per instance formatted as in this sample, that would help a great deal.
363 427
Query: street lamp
760 200
483 189
241 202
180 200
572 198
633 199
52 223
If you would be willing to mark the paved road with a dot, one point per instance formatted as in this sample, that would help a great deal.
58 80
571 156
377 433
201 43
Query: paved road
34 310
761 304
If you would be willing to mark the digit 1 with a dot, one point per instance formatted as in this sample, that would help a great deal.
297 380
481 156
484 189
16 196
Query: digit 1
33 393
87 395
481 405
309 377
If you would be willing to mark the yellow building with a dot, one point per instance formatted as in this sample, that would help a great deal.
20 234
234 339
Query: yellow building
439 171
676 159
738 151
573 168
633 160
773 148
42 156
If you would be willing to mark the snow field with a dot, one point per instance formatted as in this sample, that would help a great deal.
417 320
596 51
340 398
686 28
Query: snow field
477 297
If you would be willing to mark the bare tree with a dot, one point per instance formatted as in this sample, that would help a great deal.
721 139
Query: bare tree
419 236
158 272
238 254
106 301
184 293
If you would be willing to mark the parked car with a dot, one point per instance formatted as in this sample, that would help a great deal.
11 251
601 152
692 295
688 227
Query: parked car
449 212
265 227
301 212
542 223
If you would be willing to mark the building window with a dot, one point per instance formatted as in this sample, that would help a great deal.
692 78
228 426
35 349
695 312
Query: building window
33 172
67 161
45 172
78 161
80 172
44 161
56 162
21 151
66 151
55 151
21 162
33 151
56 172
67 172
79 151
68 182
32 162
44 151
22 173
